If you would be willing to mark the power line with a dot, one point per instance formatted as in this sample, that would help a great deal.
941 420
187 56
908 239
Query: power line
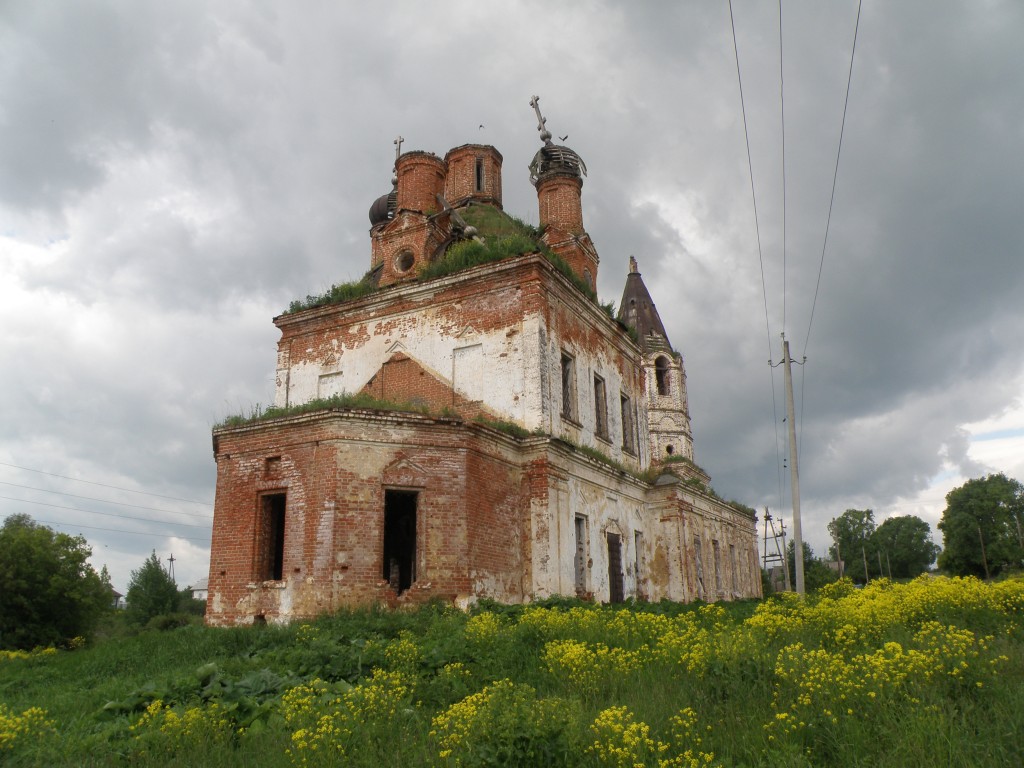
96 512
835 176
105 485
782 104
119 530
760 256
103 501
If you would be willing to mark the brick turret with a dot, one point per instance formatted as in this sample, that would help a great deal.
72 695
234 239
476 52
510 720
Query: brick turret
404 245
474 175
421 177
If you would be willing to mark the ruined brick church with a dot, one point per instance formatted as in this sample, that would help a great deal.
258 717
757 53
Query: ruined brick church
468 421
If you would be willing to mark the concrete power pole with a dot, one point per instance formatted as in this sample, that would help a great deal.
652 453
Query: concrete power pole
794 474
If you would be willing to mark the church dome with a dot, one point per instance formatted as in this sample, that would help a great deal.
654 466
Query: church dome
555 158
383 208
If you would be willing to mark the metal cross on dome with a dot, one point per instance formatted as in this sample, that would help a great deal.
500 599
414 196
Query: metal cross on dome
545 134
398 147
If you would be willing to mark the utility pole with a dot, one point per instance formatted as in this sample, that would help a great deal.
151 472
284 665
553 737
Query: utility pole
794 474
170 568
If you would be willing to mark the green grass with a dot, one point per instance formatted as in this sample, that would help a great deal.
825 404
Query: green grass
928 673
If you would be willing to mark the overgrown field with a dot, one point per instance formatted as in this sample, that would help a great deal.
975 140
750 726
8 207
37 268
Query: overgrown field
920 674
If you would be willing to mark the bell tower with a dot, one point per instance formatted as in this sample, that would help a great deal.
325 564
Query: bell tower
668 413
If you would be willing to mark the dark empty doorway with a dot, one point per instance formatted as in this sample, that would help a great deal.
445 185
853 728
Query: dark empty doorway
400 539
270 555
616 591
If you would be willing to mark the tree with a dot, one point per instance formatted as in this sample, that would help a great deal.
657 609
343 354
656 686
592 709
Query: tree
981 527
851 533
48 591
151 591
905 546
816 573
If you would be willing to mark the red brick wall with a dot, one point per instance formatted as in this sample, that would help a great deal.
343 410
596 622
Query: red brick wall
558 195
402 380
335 469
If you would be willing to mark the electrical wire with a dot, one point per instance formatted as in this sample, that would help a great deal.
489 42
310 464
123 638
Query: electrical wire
104 501
107 514
119 530
782 114
105 485
760 256
835 176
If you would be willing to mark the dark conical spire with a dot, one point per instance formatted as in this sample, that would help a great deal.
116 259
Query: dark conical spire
637 310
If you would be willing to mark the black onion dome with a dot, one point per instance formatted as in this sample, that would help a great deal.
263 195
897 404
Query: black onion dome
554 158
383 208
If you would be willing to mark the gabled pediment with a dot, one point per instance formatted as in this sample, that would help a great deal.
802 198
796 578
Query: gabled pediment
405 474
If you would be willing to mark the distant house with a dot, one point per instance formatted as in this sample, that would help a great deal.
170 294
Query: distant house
116 599
200 589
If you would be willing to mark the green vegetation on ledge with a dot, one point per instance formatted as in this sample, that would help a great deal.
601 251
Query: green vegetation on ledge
357 400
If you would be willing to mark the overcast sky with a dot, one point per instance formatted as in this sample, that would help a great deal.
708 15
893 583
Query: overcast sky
173 174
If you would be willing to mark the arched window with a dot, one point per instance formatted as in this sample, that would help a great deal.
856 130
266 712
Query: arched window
661 372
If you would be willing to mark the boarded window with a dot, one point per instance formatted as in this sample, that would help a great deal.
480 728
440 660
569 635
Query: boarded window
616 591
270 537
600 408
661 374
628 430
580 558
717 552
568 386
400 539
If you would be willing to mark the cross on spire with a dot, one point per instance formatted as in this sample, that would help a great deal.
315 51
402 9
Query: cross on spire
545 134
398 147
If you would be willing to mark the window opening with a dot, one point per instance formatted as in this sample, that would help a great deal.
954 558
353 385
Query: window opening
580 559
400 539
616 592
404 261
628 439
479 175
568 386
270 553
600 408
661 372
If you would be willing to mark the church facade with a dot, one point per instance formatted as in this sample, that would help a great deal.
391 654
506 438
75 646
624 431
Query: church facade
469 422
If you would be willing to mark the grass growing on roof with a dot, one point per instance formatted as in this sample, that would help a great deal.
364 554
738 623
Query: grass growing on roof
344 400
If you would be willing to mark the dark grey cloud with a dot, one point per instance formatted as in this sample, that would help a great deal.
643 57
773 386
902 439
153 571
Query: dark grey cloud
175 175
